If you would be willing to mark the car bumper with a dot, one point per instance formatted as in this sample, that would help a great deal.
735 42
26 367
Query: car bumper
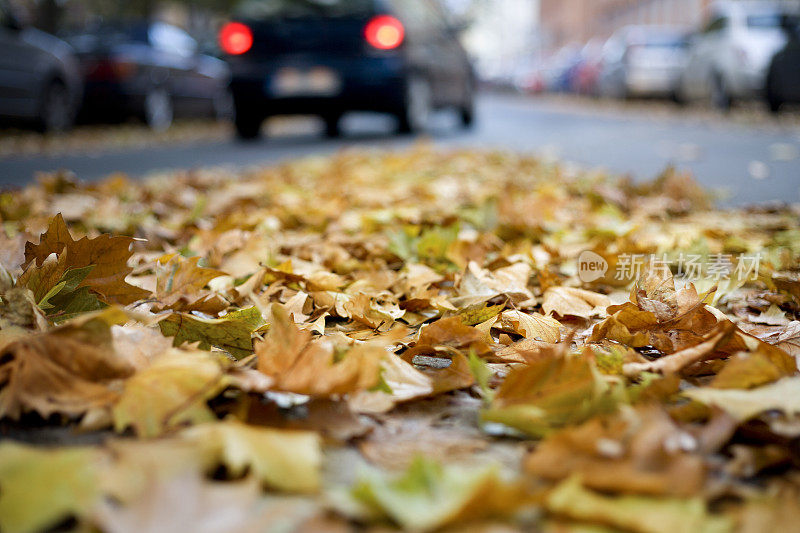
364 84
748 83
651 82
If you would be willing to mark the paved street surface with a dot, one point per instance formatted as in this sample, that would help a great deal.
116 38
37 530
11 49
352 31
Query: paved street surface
750 163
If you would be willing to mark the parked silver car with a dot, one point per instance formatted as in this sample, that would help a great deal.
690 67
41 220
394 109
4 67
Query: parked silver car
729 57
642 61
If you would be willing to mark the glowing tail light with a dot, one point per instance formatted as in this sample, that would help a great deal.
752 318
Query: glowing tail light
235 38
384 32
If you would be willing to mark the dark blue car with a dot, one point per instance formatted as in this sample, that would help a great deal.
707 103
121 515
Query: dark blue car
328 57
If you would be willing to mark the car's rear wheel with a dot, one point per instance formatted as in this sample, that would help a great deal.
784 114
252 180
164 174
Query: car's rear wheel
774 101
57 112
158 111
248 126
466 112
417 108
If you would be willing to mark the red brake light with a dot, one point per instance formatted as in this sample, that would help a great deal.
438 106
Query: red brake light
235 38
384 32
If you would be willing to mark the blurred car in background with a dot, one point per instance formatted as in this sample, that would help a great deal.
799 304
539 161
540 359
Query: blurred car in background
586 77
783 75
642 61
151 71
40 83
729 58
328 57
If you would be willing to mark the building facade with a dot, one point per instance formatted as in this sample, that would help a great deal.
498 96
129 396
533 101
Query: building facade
576 21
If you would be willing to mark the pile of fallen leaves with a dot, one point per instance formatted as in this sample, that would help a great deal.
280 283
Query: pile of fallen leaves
378 339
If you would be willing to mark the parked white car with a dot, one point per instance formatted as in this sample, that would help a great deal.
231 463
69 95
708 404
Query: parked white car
642 61
728 59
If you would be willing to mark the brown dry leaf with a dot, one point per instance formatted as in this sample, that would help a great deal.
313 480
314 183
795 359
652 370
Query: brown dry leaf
67 370
530 326
674 363
550 393
448 336
403 381
332 419
657 315
746 370
304 366
642 452
478 285
570 301
108 256
180 284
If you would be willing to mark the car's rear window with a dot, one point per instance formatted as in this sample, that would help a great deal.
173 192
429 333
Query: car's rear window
277 9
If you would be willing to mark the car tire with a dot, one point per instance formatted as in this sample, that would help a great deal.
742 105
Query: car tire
466 112
417 107
57 111
774 101
158 110
720 97
333 128
248 127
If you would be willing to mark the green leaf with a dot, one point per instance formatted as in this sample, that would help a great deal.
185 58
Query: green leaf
232 333
634 513
40 488
429 496
482 374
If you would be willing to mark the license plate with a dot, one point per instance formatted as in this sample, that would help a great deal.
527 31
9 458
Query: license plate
316 81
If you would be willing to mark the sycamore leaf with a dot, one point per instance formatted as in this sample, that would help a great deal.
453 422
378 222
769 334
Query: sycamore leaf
298 364
282 459
39 487
171 392
232 333
550 393
106 254
634 513
783 395
66 370
429 496
569 301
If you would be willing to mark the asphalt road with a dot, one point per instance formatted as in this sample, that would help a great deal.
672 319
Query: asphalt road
749 163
